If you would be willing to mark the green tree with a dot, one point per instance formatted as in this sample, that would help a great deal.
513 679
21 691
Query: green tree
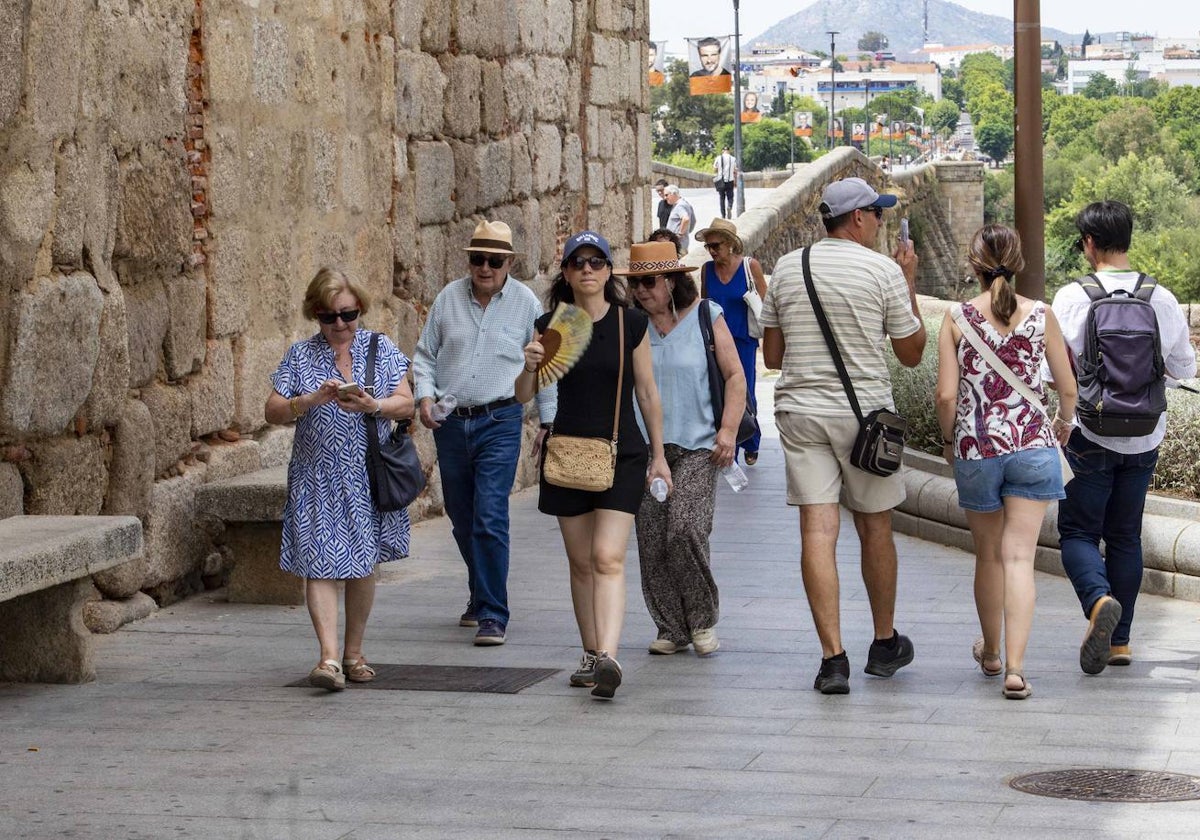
1128 131
1170 255
991 104
766 144
942 116
1100 86
1178 106
686 123
999 198
952 90
1065 118
873 41
979 70
995 139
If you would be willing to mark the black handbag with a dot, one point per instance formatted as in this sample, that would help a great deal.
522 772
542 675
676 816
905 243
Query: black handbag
748 427
394 469
879 446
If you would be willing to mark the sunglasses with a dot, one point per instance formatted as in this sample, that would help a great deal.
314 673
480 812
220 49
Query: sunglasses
578 263
332 317
713 246
878 211
493 260
649 282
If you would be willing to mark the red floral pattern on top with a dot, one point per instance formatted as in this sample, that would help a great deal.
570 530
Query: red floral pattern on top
992 419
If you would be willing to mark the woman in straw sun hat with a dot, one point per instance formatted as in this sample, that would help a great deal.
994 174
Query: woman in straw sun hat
673 535
724 279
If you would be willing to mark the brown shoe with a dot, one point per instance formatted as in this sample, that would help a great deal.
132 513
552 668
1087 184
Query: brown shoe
1120 655
328 675
1093 653
357 670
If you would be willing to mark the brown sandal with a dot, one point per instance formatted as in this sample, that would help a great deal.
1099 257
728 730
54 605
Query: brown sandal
327 675
357 670
1016 693
985 656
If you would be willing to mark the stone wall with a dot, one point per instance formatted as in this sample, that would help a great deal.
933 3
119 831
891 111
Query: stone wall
172 175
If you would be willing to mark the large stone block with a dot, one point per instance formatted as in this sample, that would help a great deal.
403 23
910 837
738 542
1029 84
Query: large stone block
171 420
227 50
492 100
149 90
26 205
52 76
461 110
270 62
495 166
175 547
560 25
154 217
131 468
433 166
111 616
354 190
226 175
433 270
420 94
572 162
110 380
212 390
12 27
256 577
468 188
519 93
12 491
275 445
227 273
255 358
522 167
54 346
66 476
184 342
486 28
550 78
547 149
227 460
147 317
324 170
45 639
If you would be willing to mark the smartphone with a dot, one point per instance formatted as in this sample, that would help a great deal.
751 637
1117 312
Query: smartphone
349 389
904 231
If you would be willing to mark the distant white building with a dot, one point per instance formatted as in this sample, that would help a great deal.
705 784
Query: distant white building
853 82
1159 64
950 58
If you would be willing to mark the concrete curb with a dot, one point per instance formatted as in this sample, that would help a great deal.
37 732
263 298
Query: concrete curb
1170 533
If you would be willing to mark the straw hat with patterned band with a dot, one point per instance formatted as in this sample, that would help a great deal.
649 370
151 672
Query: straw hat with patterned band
722 227
647 259
491 238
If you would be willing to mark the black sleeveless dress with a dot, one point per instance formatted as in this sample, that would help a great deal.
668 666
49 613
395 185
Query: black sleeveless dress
585 408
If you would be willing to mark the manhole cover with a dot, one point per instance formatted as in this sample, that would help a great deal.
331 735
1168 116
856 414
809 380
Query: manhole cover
1110 785
448 678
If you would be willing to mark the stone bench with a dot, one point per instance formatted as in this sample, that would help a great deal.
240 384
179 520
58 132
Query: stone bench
45 568
251 508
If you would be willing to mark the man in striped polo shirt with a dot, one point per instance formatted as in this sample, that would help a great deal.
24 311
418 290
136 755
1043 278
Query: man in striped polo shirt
867 297
473 347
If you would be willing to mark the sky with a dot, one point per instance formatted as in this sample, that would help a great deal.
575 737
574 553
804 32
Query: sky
674 20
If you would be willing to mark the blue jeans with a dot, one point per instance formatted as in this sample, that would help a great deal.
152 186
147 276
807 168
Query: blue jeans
477 459
1105 500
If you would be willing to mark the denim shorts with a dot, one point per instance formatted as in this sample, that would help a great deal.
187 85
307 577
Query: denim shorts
1028 474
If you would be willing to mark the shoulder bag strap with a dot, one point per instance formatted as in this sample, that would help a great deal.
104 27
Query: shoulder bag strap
716 389
749 275
620 368
369 387
827 331
1092 287
1145 287
993 361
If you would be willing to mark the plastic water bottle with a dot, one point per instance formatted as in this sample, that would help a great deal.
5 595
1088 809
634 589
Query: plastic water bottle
736 478
442 408
658 489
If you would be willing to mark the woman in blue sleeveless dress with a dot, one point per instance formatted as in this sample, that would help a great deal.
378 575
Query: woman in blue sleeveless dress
723 280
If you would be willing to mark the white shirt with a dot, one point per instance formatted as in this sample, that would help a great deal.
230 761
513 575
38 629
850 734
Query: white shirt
1071 306
725 166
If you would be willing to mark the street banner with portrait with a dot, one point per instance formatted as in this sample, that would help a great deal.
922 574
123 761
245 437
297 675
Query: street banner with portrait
880 126
858 132
657 58
709 60
750 112
835 130
802 123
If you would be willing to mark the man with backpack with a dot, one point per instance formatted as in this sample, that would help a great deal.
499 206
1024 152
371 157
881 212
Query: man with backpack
1128 335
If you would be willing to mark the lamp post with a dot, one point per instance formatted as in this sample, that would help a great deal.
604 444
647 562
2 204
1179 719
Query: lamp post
740 195
832 86
867 110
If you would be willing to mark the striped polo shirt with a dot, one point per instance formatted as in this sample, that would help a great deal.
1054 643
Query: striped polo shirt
865 297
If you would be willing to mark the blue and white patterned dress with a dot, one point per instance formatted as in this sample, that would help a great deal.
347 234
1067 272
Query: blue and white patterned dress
331 529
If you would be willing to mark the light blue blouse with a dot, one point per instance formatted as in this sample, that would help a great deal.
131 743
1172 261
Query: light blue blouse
681 373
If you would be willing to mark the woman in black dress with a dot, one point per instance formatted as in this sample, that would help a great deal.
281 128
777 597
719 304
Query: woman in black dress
595 526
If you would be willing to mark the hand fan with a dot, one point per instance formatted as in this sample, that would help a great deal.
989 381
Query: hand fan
566 337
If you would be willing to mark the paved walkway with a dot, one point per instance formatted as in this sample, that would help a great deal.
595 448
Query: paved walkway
189 731
707 205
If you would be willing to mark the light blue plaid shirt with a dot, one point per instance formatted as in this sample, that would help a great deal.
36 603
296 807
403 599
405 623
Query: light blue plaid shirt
476 353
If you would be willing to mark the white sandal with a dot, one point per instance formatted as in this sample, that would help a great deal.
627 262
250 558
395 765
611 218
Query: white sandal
328 675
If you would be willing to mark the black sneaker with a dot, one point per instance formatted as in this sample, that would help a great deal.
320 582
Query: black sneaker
834 676
491 632
585 674
468 618
883 661
608 676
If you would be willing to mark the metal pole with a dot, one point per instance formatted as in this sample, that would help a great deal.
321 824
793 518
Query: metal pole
868 112
740 196
1027 151
832 84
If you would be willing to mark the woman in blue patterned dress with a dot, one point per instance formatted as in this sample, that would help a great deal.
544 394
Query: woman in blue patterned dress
331 529
723 280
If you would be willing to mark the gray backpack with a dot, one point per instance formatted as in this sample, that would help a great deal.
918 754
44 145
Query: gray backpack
1122 376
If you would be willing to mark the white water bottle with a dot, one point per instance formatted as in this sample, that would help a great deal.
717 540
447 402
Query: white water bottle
736 477
442 408
658 489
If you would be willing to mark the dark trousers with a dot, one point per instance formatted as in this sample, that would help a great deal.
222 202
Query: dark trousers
725 191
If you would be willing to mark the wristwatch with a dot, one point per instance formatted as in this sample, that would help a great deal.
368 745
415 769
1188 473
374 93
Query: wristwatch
378 409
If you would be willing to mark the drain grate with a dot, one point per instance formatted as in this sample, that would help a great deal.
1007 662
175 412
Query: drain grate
1106 785
448 678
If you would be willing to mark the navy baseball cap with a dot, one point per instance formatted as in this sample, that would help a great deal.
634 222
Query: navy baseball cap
583 238
852 194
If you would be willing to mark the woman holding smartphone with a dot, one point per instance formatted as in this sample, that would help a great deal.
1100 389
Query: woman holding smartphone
331 529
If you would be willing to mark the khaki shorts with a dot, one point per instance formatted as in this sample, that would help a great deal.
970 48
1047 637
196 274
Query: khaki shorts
817 451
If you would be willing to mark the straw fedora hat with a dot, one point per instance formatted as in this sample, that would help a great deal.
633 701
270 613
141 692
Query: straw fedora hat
724 227
649 258
491 238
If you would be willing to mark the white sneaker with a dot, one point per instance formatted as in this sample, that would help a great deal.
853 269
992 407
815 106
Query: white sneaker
705 641
665 647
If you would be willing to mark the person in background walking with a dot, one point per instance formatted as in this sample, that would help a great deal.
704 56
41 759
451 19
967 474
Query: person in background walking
664 208
724 279
725 174
1004 451
683 217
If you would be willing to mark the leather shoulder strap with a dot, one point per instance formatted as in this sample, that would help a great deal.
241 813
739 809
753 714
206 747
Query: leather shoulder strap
620 368
827 332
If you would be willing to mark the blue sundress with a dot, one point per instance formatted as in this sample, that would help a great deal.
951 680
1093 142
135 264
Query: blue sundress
331 529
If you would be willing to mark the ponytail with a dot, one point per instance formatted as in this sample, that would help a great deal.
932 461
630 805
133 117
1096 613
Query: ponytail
995 256
1004 299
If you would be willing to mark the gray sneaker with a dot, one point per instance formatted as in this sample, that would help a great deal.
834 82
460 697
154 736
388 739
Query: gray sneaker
608 676
585 674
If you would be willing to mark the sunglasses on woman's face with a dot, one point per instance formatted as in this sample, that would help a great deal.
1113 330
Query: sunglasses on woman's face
493 260
578 263
713 246
332 317
649 282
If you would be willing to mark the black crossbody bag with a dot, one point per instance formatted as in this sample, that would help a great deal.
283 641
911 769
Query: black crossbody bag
879 447
393 468
748 427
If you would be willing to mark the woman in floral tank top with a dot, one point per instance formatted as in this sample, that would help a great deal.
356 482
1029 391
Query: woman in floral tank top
1003 449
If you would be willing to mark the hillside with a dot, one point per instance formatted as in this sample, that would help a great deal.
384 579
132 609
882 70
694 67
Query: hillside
900 20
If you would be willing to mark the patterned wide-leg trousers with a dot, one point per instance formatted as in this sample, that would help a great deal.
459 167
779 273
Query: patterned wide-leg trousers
673 550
